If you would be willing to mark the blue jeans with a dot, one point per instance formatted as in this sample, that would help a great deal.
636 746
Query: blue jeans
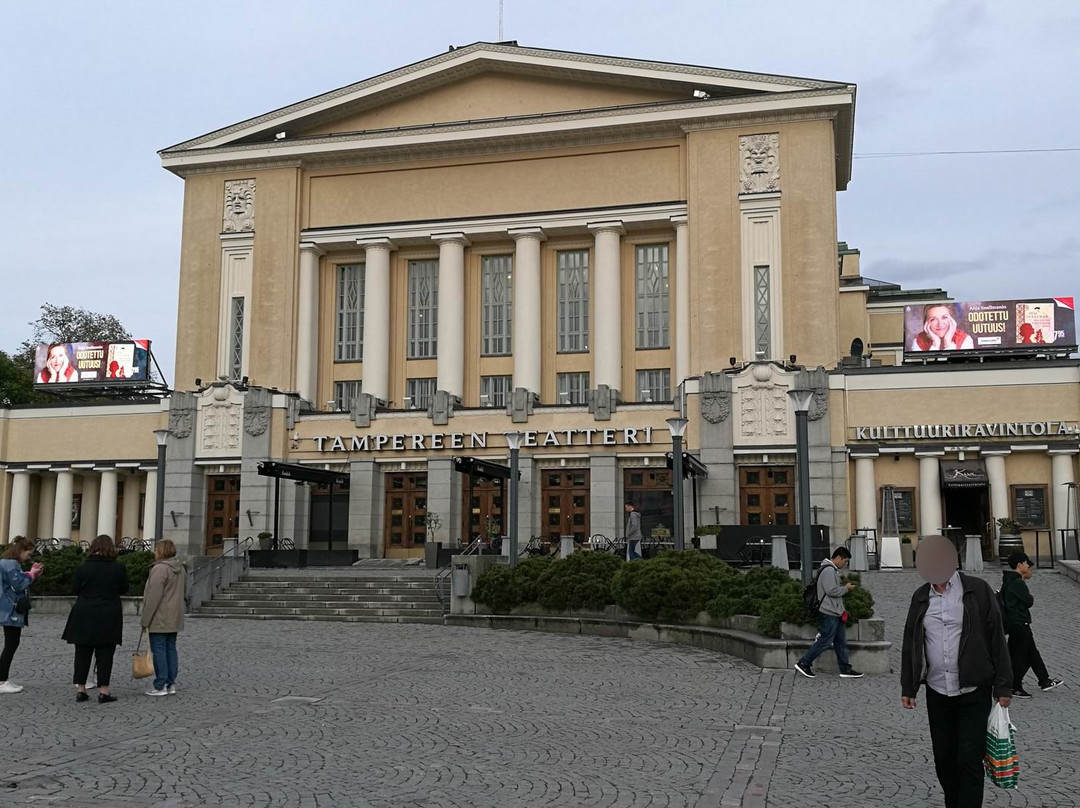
633 549
166 665
831 631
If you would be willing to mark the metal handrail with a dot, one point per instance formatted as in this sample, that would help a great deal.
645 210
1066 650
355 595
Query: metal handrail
217 561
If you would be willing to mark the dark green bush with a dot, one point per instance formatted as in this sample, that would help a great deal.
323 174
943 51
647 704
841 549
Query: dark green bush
784 606
748 592
675 585
581 581
527 576
497 589
60 565
858 602
137 566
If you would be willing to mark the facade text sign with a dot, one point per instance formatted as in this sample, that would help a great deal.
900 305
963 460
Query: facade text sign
1005 429
533 438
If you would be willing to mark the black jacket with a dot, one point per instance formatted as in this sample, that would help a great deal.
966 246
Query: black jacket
984 653
97 618
1017 599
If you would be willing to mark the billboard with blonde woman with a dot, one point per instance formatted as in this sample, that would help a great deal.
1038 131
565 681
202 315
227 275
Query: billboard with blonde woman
72 363
1021 326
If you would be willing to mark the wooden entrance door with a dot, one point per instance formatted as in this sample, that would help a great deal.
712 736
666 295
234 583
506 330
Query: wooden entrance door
485 515
405 523
566 504
222 510
650 491
767 495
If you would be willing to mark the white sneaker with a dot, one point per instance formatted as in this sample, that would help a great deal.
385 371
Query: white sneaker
172 690
153 692
10 687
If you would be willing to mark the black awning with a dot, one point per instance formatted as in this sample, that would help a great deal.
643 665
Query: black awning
482 469
963 474
298 473
692 467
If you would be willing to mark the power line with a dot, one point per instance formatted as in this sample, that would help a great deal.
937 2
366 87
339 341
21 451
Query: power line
876 155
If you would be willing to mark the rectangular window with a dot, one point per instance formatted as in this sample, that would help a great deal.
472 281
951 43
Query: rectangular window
573 388
497 295
418 393
494 390
654 385
651 273
345 393
423 308
573 283
236 338
349 324
762 315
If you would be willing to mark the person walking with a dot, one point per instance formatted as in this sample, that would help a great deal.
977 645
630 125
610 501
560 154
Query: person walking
96 623
954 643
633 532
832 617
163 615
13 585
1017 601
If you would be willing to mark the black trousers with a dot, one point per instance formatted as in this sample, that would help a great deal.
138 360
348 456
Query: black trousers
104 655
12 636
958 733
1025 655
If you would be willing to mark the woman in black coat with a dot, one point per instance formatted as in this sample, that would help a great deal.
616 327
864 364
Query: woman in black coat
96 623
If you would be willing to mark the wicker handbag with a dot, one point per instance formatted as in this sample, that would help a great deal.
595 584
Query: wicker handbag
142 664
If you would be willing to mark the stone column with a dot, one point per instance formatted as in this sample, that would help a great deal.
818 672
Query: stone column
999 487
451 334
366 508
606 294
106 518
929 495
377 317
19 518
65 488
444 498
606 515
129 520
149 506
865 493
682 299
89 511
1061 474
526 310
46 498
307 322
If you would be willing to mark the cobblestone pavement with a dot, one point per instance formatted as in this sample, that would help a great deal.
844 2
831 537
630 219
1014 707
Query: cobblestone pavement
852 743
413 715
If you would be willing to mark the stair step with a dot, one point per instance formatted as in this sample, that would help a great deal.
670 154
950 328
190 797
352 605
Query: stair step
249 603
325 618
261 609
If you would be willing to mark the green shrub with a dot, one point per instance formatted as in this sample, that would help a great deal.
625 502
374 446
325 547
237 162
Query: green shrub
581 581
137 566
675 585
527 576
784 606
859 603
497 589
59 568
748 592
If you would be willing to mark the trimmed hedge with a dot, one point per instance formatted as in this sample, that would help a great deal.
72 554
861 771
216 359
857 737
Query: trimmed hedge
60 565
675 585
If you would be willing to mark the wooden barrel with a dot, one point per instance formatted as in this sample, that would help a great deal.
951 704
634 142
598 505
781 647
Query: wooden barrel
1008 545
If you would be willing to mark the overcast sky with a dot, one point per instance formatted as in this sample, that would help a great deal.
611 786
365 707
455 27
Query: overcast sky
91 92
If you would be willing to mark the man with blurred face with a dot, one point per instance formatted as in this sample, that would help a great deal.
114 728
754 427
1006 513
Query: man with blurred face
954 643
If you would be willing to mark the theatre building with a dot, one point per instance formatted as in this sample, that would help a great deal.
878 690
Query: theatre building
381 281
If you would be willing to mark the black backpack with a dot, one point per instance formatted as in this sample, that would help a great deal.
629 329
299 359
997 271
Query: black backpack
810 599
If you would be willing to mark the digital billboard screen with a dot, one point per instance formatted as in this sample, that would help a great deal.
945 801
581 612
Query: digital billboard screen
1020 326
75 363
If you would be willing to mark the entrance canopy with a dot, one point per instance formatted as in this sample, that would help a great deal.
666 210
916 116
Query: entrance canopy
304 474
481 469
692 467
963 474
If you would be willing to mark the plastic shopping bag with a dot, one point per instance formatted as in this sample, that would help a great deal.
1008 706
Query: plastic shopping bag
1001 762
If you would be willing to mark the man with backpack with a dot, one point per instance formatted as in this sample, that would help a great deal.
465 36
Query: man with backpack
832 617
1016 603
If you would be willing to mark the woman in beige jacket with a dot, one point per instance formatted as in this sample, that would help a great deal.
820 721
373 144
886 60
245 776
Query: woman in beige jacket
163 614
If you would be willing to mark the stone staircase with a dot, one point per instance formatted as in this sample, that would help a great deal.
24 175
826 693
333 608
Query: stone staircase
355 597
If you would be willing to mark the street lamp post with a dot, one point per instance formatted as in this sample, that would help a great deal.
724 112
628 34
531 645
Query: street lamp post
802 399
162 438
677 427
513 441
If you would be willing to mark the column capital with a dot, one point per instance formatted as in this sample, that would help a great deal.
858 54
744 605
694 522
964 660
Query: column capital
376 244
995 452
450 238
517 233
311 248
679 220
1063 450
613 226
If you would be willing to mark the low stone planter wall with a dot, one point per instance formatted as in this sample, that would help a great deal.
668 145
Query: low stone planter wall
61 604
738 637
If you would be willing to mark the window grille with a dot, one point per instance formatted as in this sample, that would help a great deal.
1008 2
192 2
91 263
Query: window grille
497 297
349 334
418 393
654 385
762 314
651 271
236 339
345 394
423 309
573 266
572 388
494 390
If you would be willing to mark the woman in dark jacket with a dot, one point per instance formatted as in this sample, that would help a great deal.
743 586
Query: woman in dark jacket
95 625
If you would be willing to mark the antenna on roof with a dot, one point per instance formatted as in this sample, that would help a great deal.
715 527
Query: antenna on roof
500 39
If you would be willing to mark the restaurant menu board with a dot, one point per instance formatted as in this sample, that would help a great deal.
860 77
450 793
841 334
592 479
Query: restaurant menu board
1029 505
905 509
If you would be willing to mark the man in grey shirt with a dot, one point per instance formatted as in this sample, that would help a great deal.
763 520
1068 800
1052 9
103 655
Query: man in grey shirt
633 532
832 617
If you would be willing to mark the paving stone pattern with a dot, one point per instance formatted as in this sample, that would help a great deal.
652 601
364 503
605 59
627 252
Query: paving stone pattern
416 715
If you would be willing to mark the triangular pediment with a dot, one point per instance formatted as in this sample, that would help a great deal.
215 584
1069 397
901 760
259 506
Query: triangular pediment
486 81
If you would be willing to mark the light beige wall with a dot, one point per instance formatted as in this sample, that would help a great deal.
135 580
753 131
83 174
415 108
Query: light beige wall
538 181
854 321
84 436
886 327
808 238
493 95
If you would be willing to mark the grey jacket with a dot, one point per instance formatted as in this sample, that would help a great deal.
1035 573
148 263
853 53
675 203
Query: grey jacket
633 526
163 597
830 590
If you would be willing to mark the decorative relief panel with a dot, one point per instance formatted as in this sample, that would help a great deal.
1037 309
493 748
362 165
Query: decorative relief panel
765 414
239 207
221 415
759 164
256 420
180 423
716 407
